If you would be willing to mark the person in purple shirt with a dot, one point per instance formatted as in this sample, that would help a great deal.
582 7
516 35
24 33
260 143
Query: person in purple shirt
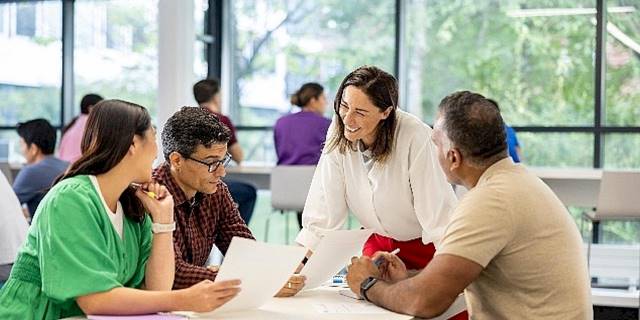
299 137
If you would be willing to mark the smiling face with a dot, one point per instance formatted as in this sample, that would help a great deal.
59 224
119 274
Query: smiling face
360 116
192 173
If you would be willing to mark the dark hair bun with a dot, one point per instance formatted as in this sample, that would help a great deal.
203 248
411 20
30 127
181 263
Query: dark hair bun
307 92
295 99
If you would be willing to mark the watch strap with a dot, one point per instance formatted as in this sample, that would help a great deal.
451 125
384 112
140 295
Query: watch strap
163 227
367 284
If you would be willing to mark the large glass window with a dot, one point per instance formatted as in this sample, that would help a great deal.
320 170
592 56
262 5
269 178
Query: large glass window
10 147
258 146
116 50
31 63
536 58
622 151
279 45
623 63
200 65
557 149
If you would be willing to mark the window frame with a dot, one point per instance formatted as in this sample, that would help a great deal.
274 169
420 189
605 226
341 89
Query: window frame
216 22
599 128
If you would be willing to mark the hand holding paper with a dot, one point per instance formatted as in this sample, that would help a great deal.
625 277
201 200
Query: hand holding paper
262 267
333 253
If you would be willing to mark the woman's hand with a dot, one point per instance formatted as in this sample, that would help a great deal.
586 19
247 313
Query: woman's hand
206 295
157 200
292 287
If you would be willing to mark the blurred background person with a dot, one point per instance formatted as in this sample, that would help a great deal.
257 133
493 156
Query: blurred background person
515 152
72 132
299 137
37 143
207 94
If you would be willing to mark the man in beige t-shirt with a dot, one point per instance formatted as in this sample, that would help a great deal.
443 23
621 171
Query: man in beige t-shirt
510 242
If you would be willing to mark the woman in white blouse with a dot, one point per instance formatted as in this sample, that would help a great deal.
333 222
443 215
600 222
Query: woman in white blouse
380 164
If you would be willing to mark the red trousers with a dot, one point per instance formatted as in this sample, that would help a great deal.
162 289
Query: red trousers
413 253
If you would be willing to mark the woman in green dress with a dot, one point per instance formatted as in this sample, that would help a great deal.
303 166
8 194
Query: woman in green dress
97 244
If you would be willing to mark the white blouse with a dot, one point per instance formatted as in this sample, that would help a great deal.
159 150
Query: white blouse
405 198
116 218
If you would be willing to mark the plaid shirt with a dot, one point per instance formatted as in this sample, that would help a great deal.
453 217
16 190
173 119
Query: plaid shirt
201 222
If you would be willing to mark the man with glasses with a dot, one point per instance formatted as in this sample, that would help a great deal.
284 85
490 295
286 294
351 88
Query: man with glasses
194 145
207 94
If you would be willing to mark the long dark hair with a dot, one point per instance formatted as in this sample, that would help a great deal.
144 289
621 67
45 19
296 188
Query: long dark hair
382 89
110 129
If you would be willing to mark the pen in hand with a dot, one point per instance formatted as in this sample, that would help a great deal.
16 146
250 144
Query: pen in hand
151 194
380 259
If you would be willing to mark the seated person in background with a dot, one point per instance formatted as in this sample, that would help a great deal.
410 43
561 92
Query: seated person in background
513 146
207 94
91 248
72 133
299 137
511 242
37 143
194 143
13 228
515 152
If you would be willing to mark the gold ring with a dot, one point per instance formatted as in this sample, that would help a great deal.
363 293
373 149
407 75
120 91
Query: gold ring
289 285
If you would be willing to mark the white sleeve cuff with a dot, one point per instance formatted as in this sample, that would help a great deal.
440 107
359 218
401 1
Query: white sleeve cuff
308 239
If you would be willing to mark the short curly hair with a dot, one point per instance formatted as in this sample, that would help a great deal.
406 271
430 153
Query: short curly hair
190 127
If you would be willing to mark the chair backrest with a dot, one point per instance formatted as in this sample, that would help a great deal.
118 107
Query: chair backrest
619 195
290 186
615 261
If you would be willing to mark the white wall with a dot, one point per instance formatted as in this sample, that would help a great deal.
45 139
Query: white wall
176 38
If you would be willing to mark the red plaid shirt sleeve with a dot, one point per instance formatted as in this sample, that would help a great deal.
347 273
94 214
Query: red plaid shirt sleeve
189 274
232 224
201 222
220 221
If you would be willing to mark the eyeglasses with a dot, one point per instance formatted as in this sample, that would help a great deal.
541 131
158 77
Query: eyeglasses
213 166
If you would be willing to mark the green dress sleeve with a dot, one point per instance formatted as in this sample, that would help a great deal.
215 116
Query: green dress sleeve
146 240
74 245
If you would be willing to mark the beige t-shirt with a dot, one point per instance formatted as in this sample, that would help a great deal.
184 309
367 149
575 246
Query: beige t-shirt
514 226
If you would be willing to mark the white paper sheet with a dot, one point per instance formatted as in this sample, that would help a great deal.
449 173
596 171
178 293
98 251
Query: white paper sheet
263 269
332 254
348 308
